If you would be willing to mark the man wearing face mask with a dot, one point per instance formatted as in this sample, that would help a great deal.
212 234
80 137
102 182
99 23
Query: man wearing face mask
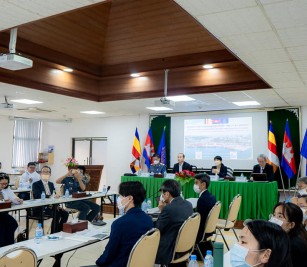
263 167
205 202
44 185
219 169
157 167
8 223
126 230
174 211
302 186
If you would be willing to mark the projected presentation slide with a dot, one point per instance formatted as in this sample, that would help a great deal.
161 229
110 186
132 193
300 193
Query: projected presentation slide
230 138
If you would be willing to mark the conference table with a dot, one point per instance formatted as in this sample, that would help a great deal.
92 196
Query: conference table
258 198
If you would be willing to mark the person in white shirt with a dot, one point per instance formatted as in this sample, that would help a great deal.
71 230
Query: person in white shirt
28 178
8 223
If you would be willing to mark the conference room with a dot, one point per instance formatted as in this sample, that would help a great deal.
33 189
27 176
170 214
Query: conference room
98 66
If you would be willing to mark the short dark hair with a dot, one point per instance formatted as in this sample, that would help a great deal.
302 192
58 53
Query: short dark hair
204 178
171 186
134 189
272 236
31 164
302 180
4 176
218 158
46 167
156 155
183 155
82 168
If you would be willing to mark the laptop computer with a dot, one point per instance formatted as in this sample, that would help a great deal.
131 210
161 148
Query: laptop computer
259 177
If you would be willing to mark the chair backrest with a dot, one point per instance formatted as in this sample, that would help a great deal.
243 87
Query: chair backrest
187 235
229 172
193 168
212 219
145 250
234 208
19 257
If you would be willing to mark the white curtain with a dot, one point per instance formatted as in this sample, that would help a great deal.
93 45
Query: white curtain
26 142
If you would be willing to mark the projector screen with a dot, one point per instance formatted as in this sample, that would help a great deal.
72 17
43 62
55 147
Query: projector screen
238 138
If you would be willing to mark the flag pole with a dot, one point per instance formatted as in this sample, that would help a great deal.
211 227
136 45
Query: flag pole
298 173
282 182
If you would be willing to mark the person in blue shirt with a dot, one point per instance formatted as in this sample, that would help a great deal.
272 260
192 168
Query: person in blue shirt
126 230
157 167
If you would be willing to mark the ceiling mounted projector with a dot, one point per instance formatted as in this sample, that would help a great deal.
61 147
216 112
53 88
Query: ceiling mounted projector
12 61
164 102
15 62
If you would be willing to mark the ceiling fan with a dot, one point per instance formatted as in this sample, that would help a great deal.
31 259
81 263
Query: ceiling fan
6 104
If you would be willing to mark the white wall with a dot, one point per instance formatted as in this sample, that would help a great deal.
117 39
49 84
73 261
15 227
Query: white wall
6 142
118 130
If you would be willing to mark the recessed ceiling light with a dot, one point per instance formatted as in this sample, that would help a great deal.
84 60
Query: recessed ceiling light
159 108
92 112
179 98
27 101
68 70
135 75
246 103
207 66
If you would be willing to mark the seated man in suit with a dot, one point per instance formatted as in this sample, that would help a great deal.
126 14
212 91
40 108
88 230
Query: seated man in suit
73 182
127 229
44 185
263 167
174 211
7 222
157 167
219 168
204 204
181 165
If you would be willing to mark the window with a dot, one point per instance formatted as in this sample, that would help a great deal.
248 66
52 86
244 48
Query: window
26 142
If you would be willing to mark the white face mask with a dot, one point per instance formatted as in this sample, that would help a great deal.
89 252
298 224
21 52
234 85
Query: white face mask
304 214
156 161
196 188
238 255
302 192
276 221
120 205
161 198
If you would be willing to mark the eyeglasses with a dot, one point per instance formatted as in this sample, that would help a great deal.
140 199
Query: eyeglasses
4 183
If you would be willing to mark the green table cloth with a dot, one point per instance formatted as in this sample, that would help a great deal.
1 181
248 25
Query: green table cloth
258 198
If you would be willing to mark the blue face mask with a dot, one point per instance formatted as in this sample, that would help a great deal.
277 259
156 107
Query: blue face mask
238 255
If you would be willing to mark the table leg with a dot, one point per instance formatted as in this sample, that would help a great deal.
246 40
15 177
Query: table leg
27 223
114 205
58 258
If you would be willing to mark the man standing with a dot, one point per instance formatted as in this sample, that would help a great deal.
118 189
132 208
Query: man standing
181 165
8 223
28 178
174 211
157 167
263 167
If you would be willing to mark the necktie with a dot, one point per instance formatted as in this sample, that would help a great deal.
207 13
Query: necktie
47 189
1 195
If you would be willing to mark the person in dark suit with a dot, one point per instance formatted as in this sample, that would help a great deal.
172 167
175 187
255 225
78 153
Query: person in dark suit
126 230
44 185
205 202
263 167
219 169
181 165
174 211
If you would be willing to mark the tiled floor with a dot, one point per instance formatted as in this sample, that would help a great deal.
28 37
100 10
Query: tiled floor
89 254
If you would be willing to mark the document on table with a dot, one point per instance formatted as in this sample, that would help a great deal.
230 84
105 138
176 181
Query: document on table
93 234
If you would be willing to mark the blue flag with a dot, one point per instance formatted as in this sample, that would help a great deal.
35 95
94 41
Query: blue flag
304 146
162 148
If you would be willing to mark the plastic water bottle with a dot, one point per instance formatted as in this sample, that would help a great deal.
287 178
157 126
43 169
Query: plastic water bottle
193 262
149 205
21 184
38 233
104 189
43 195
181 194
144 206
208 261
66 193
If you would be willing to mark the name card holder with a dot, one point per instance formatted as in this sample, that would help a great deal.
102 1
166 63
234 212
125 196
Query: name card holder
214 177
170 176
240 178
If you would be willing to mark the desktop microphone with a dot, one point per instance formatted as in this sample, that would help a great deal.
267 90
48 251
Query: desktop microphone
108 188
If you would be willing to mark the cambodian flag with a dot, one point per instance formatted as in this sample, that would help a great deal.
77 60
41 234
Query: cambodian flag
148 150
162 148
288 161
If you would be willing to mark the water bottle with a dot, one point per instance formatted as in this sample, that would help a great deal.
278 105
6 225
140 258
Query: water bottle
181 194
104 189
208 261
144 206
43 195
193 262
149 205
66 193
21 184
38 233
242 174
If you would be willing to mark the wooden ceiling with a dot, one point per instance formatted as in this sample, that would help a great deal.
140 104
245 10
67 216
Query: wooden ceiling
105 43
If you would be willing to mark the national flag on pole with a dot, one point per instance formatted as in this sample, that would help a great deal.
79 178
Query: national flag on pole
136 153
272 155
148 150
288 161
162 148
304 146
